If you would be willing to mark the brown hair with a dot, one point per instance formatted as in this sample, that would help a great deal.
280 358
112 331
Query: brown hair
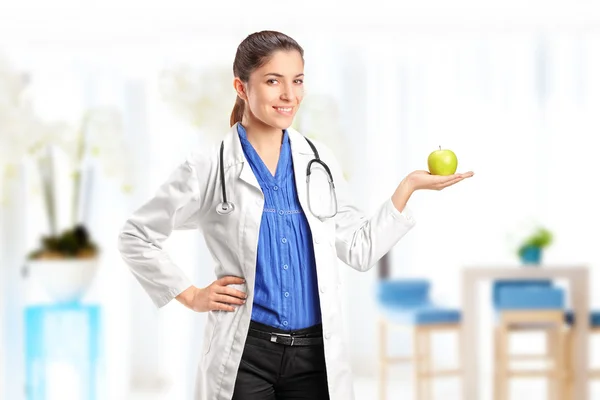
254 52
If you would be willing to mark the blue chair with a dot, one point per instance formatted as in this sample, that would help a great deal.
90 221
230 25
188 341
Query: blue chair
529 306
406 303
594 330
500 285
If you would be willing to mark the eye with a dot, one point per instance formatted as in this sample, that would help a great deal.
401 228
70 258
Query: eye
299 81
272 81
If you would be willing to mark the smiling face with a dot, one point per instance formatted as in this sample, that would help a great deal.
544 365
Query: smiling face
274 91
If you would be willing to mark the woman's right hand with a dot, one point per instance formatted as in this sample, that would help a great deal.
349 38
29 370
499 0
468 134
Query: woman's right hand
216 296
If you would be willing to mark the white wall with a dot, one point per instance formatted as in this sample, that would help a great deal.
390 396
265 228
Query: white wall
514 95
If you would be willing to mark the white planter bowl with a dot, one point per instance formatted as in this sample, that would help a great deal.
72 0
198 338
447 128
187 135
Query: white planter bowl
65 280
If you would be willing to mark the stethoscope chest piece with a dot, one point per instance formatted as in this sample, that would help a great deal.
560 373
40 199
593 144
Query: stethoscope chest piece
225 208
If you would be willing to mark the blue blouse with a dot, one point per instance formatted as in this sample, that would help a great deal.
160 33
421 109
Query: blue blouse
285 291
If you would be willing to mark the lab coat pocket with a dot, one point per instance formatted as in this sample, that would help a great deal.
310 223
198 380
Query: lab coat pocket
209 332
215 320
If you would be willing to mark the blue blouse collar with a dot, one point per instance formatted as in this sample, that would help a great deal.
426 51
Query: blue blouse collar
244 136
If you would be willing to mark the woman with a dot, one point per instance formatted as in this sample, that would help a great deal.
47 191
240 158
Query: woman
274 317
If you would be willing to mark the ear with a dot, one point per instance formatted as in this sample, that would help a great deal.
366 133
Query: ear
240 88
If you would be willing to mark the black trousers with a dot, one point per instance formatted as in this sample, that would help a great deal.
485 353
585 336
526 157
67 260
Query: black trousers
273 371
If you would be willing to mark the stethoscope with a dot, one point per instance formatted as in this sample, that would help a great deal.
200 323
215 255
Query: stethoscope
227 207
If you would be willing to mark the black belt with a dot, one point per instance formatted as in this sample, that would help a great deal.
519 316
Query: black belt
287 339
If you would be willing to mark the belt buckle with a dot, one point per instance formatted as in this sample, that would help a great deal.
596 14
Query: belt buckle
275 335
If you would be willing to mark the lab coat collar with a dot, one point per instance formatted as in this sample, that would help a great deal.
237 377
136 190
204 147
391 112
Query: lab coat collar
234 154
299 143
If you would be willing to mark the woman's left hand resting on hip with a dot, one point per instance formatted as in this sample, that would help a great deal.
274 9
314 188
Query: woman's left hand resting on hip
217 296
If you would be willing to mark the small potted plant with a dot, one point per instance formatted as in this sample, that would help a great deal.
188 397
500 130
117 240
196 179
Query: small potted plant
531 249
65 264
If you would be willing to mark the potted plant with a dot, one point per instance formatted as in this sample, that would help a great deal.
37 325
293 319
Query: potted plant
66 261
531 249
65 264
67 157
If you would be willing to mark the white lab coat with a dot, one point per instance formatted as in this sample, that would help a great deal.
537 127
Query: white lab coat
188 199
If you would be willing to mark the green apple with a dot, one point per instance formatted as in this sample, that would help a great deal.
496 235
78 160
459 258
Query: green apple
442 162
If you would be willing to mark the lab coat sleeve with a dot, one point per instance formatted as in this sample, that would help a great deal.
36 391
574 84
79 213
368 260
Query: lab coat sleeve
361 240
175 205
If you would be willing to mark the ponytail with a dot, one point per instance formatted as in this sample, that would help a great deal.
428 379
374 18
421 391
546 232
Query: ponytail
238 111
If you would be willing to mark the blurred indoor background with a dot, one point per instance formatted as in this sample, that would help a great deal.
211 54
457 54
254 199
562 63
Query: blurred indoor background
118 92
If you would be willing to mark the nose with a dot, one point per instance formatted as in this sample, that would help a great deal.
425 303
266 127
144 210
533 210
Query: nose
287 92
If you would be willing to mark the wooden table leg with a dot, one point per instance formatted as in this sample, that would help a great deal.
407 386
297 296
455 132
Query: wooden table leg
469 332
580 304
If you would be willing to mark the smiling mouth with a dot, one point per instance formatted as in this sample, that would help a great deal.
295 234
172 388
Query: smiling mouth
284 110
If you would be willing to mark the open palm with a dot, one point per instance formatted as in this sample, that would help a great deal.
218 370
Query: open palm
424 180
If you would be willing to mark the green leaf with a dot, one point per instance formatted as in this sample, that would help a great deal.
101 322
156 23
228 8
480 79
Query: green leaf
541 238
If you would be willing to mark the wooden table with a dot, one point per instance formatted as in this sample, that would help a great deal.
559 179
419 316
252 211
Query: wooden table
577 278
